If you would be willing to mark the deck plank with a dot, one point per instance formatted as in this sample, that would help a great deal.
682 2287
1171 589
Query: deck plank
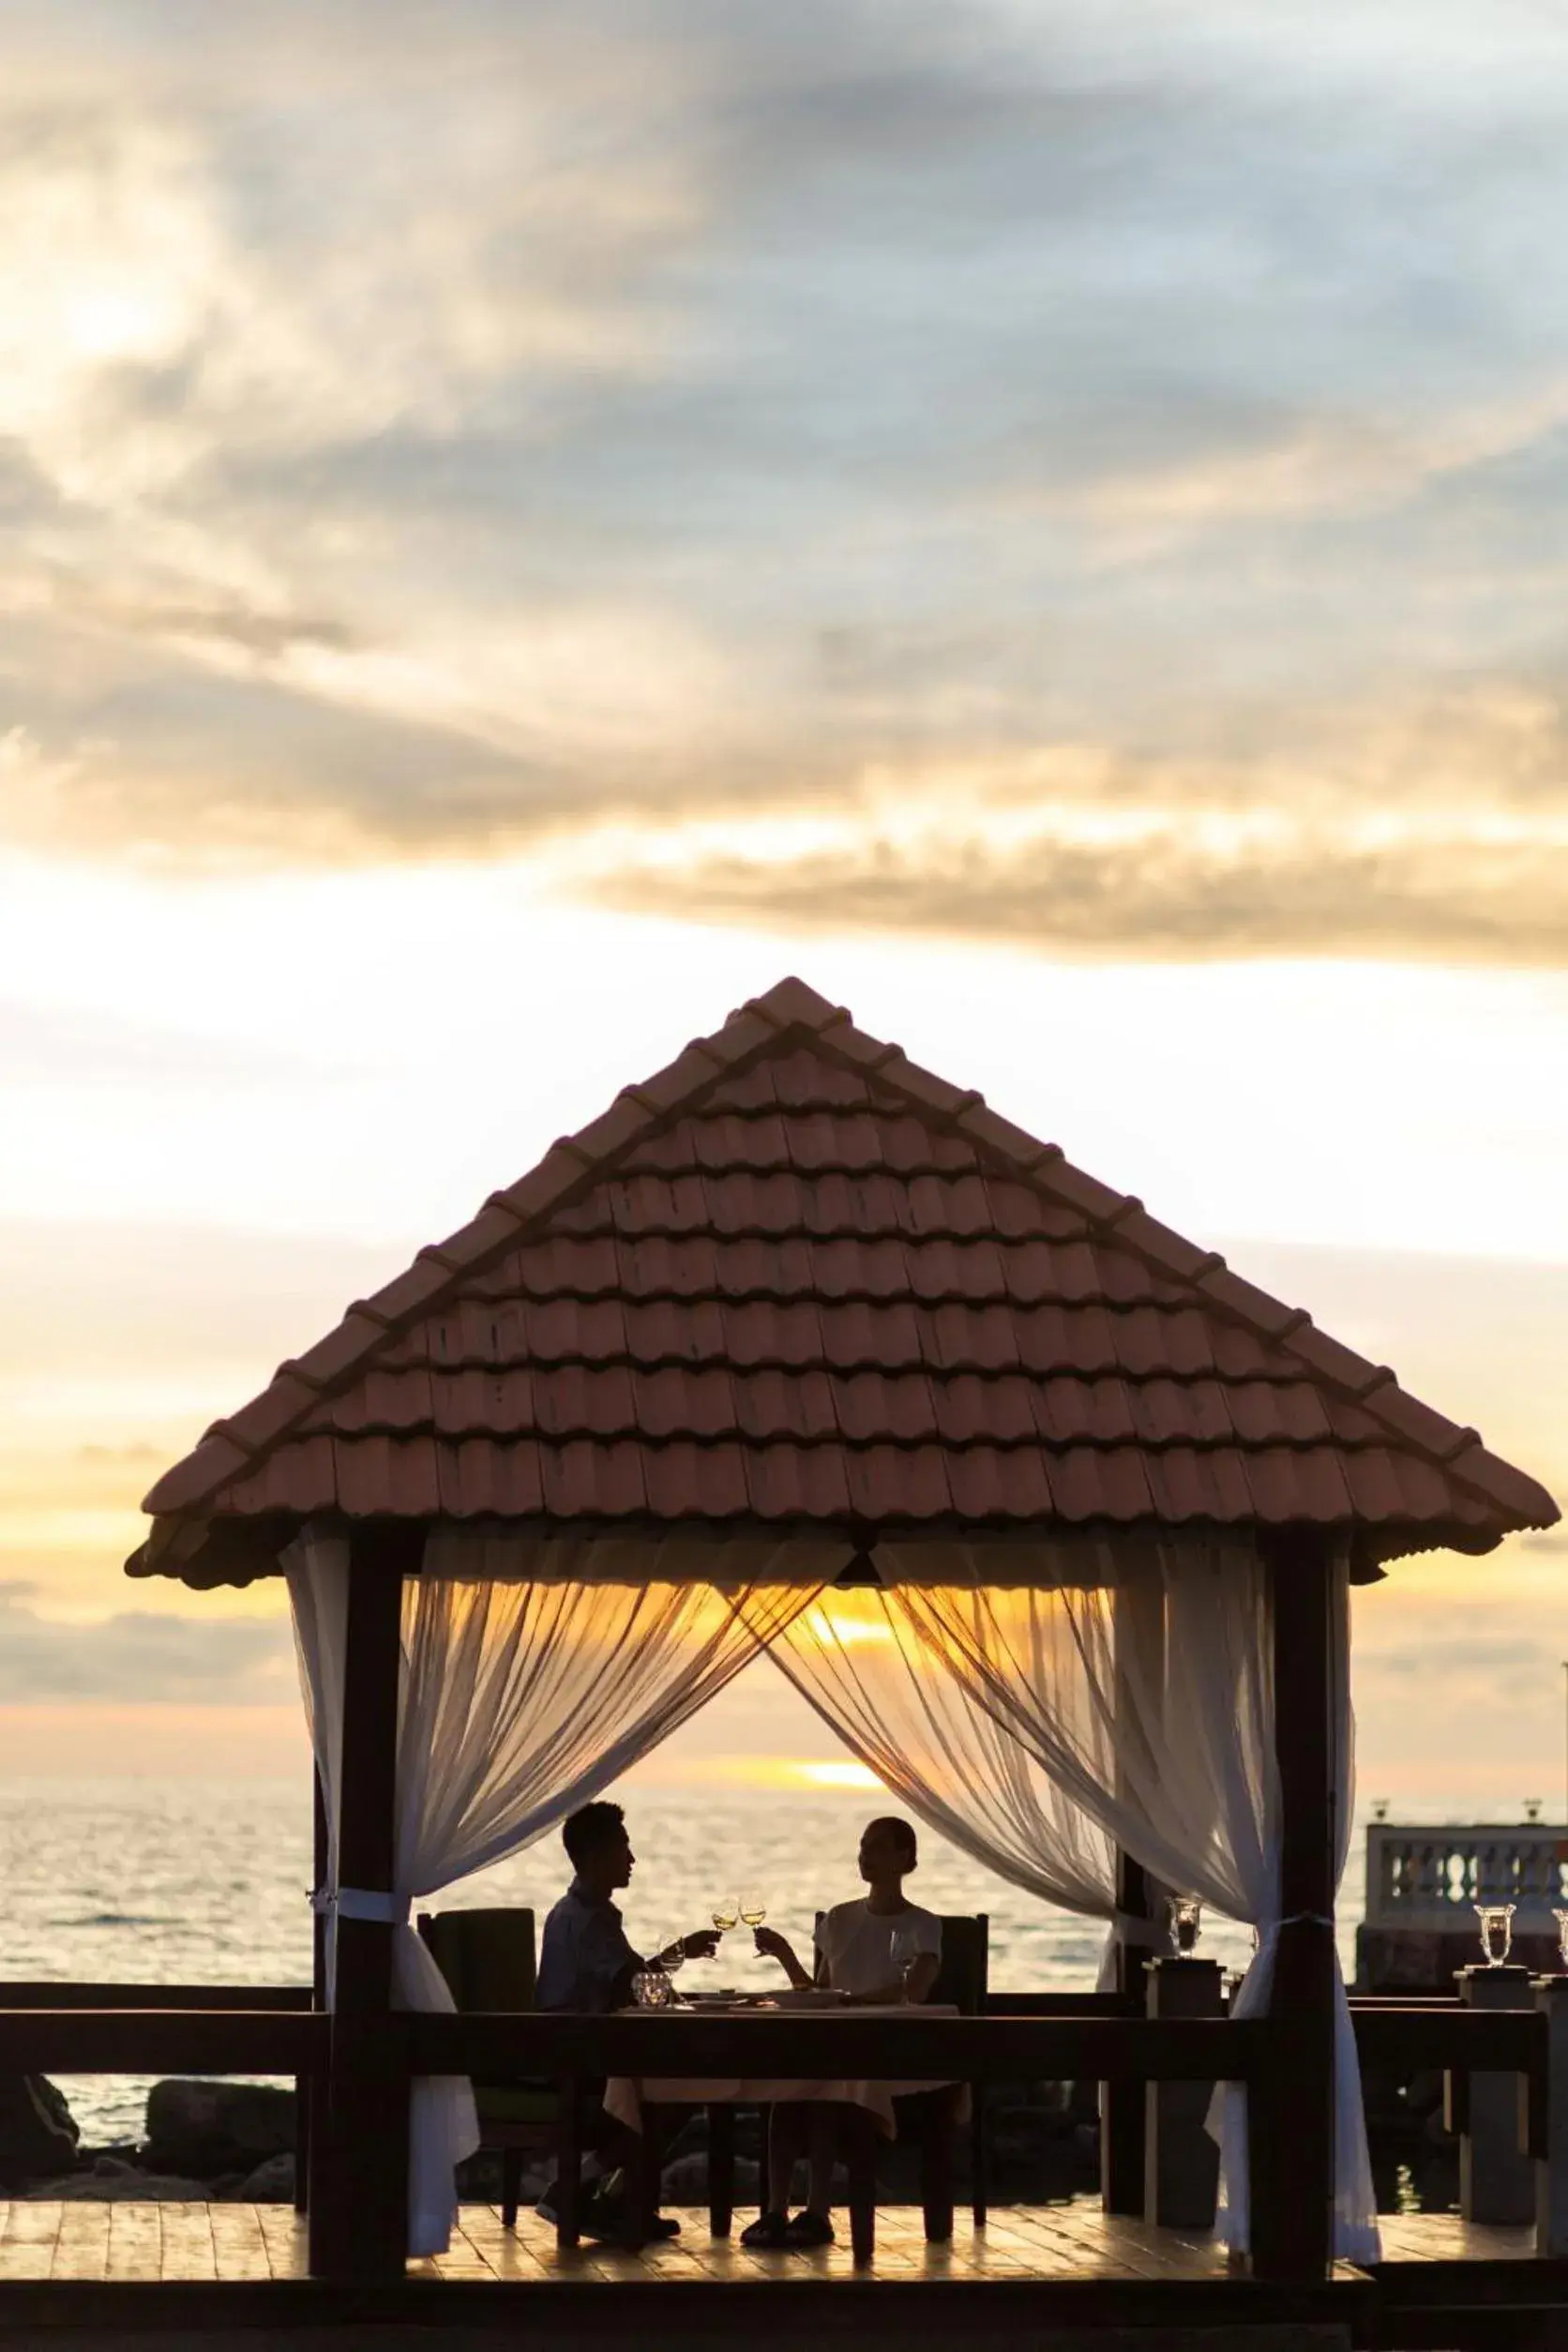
239 2249
188 2251
135 2241
82 2245
144 2242
285 2234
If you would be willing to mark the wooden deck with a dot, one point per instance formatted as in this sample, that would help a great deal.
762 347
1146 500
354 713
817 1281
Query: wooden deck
147 2243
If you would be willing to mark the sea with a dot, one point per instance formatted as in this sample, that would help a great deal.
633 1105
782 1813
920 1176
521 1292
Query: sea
202 1882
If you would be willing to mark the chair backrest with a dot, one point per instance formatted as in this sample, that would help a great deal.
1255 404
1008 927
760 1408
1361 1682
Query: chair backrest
964 1975
488 1958
965 1962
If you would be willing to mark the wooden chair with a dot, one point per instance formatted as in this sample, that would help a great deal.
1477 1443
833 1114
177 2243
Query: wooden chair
963 1983
489 1963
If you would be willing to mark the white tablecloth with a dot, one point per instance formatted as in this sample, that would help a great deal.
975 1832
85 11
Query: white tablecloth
626 2095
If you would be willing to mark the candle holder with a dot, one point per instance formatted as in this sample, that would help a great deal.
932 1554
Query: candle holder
651 1988
1496 1931
1185 1914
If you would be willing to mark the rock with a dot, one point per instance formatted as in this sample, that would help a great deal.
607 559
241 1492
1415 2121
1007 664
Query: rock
271 2184
686 2181
124 2187
212 2128
37 2132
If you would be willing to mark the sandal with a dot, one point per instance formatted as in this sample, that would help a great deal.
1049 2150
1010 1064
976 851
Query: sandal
766 2230
808 2229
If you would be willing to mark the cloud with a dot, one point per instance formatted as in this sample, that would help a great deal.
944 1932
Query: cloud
1085 852
141 1657
733 408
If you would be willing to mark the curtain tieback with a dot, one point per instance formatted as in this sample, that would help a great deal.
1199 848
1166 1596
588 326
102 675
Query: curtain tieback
1305 1919
362 1903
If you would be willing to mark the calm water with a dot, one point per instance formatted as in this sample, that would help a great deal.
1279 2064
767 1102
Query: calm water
169 1882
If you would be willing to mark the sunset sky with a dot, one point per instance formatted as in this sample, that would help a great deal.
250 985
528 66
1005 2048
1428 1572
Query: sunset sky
521 524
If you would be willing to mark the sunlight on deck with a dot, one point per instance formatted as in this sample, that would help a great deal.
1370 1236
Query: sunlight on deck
87 2240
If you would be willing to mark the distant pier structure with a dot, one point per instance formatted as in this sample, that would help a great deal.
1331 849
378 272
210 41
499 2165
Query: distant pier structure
1424 1883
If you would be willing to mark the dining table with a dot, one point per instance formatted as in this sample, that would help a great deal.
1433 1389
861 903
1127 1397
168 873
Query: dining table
867 2103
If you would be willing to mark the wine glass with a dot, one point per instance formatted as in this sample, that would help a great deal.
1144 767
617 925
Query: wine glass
1185 1914
1496 1931
903 1950
725 1912
1562 1919
754 1907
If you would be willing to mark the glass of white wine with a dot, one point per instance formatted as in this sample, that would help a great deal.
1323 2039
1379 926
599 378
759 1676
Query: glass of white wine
754 1907
726 1913
903 1951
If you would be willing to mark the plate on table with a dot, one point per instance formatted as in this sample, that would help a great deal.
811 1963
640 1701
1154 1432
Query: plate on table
810 1997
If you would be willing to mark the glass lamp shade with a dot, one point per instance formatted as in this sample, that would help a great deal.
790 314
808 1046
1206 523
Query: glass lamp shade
1185 1914
1496 1931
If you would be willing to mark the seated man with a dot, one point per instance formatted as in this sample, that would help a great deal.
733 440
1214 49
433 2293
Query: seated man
877 1949
587 1963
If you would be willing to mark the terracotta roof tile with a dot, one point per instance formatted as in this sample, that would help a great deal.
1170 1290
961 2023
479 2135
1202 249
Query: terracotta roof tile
791 1277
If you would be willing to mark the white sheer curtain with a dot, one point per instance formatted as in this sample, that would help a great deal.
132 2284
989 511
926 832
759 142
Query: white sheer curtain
857 1658
528 1681
1139 1676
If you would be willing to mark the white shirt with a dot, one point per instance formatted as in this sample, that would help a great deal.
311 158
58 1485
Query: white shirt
856 1943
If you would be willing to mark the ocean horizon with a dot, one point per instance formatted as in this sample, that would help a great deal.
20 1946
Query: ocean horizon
168 1881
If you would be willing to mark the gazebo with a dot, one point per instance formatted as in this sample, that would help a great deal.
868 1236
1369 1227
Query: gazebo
795 1317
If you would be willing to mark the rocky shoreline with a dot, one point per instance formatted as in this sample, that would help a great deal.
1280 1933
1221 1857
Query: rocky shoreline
219 2142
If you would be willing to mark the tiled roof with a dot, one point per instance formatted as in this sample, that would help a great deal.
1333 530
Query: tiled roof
795 1278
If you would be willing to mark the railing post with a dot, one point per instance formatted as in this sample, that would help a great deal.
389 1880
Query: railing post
1182 2161
1551 2143
363 2233
1496 2182
1121 2126
1293 2223
1139 1672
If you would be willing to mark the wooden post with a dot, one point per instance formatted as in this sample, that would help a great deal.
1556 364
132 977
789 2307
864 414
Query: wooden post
1140 1613
1292 2219
1551 2129
1497 2177
310 2091
1183 2162
366 2227
1122 2104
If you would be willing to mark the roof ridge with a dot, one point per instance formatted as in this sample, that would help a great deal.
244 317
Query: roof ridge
1124 1215
233 1445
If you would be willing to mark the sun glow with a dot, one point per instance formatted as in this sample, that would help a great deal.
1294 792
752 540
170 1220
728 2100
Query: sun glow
837 1625
833 1773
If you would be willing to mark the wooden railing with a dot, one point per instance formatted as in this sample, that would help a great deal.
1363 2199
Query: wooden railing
1431 1878
277 2035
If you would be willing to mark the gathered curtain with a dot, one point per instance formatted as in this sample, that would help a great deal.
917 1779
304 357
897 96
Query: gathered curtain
529 1681
1138 1675
860 1661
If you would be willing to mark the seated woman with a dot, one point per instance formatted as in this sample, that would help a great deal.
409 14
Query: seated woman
877 1949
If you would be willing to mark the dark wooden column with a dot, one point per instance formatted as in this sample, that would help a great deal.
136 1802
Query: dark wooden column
364 2232
1139 1617
1293 2171
310 2102
1122 2104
